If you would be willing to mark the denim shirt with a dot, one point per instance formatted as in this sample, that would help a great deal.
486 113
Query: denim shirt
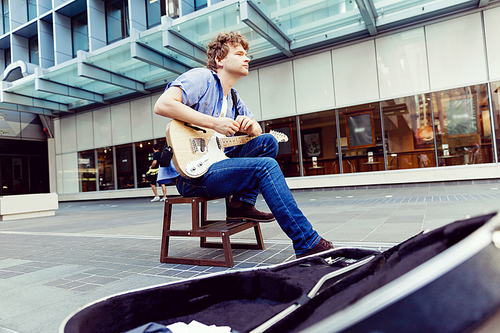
202 90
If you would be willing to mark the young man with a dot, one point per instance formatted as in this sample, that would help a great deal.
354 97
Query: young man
202 97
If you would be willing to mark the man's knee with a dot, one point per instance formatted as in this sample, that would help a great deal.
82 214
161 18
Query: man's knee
270 145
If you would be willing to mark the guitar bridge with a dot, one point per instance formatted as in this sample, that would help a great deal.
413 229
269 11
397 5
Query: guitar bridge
198 145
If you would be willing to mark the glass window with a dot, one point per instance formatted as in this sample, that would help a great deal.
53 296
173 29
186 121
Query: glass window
23 174
361 138
495 100
39 174
33 46
87 172
31 8
153 12
117 20
5 16
79 33
143 157
409 136
462 125
15 175
199 4
318 134
125 166
6 54
105 167
288 154
173 8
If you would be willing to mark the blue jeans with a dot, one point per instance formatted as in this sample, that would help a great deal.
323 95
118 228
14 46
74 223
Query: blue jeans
253 168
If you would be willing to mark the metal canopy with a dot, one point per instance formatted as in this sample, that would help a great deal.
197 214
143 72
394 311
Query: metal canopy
146 61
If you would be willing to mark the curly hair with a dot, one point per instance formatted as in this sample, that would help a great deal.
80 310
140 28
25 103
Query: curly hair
218 47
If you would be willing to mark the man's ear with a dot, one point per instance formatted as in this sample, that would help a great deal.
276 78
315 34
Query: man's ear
218 61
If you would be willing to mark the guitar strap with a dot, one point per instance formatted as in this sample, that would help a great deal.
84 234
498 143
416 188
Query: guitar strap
235 103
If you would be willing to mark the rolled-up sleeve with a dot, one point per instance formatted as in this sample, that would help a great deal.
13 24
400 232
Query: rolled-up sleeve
193 85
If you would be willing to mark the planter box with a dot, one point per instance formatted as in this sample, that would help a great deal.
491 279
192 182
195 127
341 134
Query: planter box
15 207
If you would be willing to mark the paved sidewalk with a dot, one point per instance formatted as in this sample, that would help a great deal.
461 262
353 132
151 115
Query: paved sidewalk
50 266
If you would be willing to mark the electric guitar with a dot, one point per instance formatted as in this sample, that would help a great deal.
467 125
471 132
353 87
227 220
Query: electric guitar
197 148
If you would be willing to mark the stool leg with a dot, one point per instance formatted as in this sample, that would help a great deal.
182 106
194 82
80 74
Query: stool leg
203 240
167 219
228 251
258 237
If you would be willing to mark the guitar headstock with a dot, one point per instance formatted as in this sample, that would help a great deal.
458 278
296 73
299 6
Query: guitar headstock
281 137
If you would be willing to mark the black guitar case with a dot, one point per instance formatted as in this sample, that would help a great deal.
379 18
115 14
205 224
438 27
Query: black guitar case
445 280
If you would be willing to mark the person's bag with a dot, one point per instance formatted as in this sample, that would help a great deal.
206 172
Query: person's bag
151 173
166 156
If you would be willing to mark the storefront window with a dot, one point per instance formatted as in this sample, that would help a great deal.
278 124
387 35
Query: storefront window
23 174
105 166
125 166
408 132
86 168
288 154
495 101
462 125
318 134
143 157
361 138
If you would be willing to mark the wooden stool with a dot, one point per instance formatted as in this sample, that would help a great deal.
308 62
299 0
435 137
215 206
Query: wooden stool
203 228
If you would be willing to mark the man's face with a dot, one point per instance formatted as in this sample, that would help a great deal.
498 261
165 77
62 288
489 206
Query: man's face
236 61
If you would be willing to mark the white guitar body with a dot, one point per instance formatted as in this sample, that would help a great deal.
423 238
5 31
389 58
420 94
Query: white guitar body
211 155
197 148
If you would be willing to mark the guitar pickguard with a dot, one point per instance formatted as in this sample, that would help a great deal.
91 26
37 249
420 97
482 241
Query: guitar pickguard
213 152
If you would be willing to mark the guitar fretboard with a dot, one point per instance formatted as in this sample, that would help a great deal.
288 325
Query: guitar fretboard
236 140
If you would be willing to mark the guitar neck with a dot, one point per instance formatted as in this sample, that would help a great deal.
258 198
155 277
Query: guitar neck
236 140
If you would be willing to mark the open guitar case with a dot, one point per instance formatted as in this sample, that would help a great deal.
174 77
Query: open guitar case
445 280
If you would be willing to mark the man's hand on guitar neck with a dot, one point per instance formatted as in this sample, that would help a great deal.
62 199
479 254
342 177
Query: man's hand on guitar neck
249 126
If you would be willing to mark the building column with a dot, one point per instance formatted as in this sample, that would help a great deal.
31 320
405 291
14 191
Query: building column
51 152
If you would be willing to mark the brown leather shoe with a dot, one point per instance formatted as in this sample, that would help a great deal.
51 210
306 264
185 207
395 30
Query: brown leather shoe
242 211
322 245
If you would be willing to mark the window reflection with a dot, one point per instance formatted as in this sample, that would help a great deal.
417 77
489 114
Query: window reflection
5 16
143 157
33 49
361 138
86 170
319 143
288 154
31 9
124 166
495 101
79 33
117 20
173 8
105 167
409 135
153 12
462 123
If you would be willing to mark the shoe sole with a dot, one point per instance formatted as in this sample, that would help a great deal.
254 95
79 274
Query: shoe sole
247 219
